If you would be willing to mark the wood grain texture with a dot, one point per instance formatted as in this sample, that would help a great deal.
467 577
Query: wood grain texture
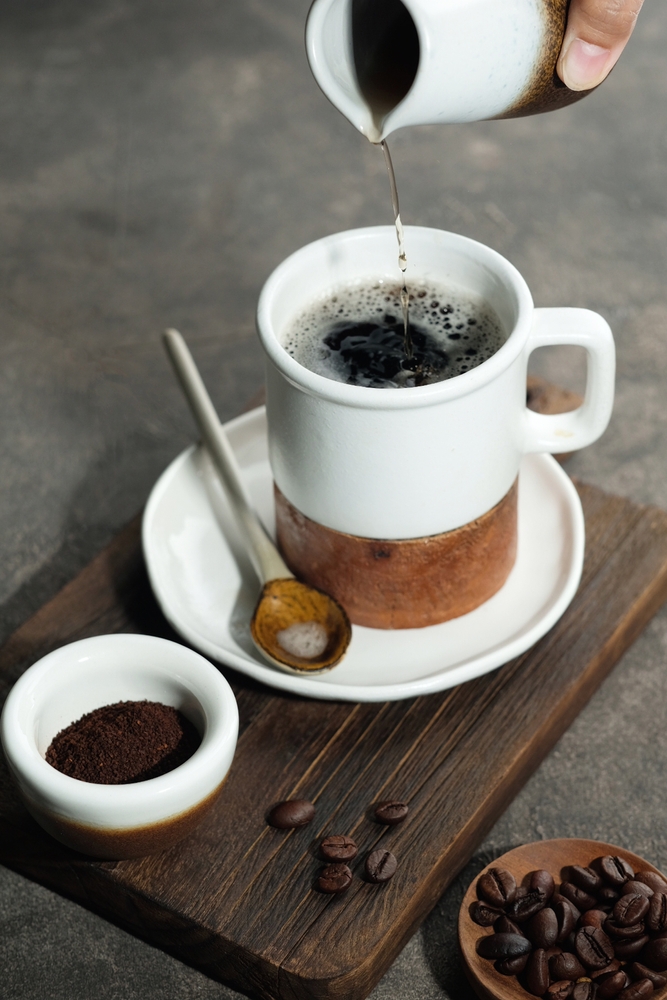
236 898
553 855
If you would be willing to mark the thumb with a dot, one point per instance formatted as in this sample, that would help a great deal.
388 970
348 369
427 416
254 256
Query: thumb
597 32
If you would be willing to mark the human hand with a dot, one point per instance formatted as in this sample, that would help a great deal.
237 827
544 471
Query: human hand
597 32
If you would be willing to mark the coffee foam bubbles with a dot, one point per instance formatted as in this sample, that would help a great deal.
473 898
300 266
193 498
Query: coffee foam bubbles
452 331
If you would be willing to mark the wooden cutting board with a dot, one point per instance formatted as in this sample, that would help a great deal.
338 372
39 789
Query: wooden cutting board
236 899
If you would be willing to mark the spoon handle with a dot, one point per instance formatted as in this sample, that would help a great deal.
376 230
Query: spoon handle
266 559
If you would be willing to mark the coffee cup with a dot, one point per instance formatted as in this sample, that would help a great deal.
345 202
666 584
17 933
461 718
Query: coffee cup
402 503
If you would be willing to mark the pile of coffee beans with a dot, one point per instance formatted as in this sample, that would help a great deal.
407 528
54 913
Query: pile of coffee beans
602 933
337 849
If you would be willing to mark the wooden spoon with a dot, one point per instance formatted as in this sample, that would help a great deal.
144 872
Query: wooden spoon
298 628
554 856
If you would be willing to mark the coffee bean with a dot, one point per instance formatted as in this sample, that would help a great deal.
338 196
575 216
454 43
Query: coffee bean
339 848
636 887
507 926
380 866
617 932
653 880
567 919
497 886
608 895
560 991
483 914
593 947
610 984
542 880
585 990
503 946
655 955
637 991
643 972
616 871
566 966
630 909
536 976
524 907
581 899
585 878
656 918
593 918
543 928
334 878
511 966
291 814
626 950
391 813
613 966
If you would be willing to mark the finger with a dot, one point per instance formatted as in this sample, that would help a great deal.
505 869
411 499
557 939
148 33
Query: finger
597 32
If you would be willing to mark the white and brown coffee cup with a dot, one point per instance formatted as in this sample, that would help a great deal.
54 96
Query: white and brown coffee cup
402 503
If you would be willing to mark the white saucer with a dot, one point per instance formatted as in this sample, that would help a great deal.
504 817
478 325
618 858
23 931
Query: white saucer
207 590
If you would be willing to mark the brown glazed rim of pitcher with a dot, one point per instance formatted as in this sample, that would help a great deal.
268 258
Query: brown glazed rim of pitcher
546 91
405 583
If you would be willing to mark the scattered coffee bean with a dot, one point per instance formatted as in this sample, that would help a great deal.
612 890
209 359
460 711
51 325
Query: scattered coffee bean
483 914
578 897
618 932
610 984
612 967
637 991
616 871
560 991
608 895
503 946
511 966
655 955
630 909
391 813
628 950
566 916
380 866
585 878
291 814
634 886
584 990
536 976
593 918
656 918
334 878
543 929
640 971
507 926
542 880
497 887
339 848
652 880
566 966
593 947
525 906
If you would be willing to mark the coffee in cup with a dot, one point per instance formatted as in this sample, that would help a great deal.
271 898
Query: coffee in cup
355 334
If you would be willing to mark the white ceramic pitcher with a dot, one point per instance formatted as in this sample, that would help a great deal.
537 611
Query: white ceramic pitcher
420 62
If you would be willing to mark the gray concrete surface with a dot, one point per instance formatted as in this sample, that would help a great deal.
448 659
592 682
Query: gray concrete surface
156 161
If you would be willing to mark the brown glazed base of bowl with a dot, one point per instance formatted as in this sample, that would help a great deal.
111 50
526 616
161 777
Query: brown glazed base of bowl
409 583
117 845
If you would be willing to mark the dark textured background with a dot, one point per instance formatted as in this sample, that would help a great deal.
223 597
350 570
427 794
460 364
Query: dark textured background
157 160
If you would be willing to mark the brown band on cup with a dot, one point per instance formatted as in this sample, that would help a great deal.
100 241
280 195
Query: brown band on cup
408 583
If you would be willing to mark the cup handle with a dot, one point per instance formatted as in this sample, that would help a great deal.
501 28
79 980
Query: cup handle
564 432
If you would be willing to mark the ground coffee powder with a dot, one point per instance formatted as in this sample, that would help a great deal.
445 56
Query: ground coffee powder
123 743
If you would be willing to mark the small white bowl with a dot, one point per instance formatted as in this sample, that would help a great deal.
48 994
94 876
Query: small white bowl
118 821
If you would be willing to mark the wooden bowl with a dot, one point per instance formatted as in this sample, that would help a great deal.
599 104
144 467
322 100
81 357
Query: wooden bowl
554 856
